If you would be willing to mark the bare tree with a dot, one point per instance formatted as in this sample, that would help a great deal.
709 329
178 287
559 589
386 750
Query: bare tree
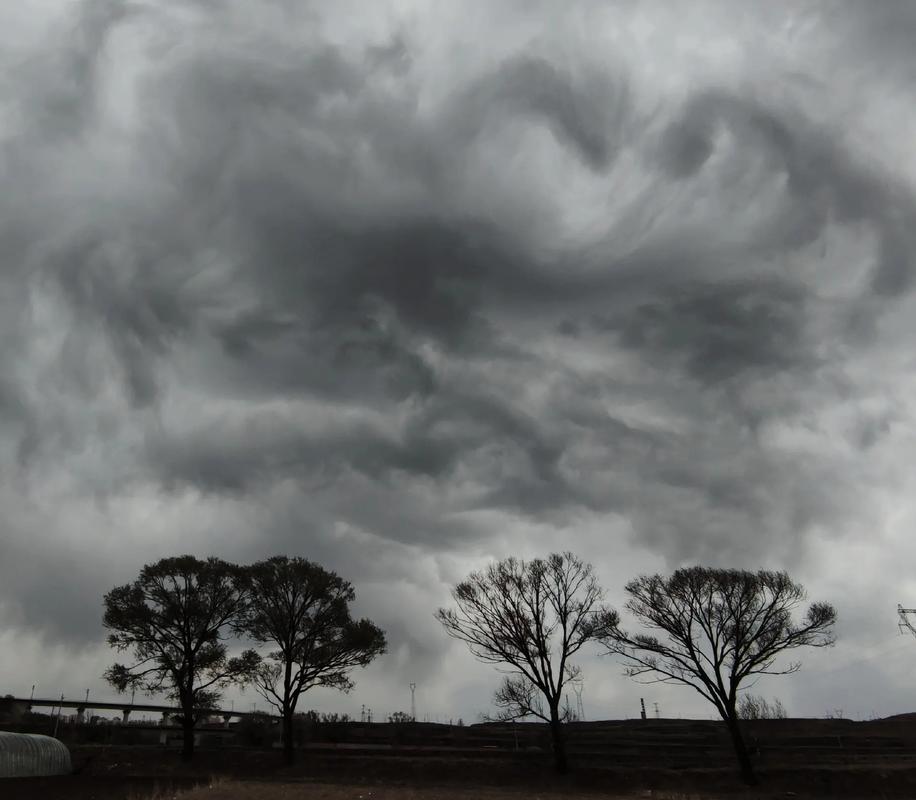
533 617
752 706
174 617
720 627
303 610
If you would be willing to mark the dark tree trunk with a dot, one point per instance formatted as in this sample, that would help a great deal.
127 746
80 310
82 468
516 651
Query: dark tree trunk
289 753
289 706
559 745
744 758
187 728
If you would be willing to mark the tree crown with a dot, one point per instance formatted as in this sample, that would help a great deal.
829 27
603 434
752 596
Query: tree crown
303 609
532 615
174 617
720 627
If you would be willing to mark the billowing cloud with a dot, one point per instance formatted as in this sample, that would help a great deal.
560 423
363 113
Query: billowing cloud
403 292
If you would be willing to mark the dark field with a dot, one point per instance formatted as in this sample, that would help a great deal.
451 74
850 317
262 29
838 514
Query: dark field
653 758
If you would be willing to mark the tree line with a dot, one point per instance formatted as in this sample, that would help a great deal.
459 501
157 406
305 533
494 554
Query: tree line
710 629
176 616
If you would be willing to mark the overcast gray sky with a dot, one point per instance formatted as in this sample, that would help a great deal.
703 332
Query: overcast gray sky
404 287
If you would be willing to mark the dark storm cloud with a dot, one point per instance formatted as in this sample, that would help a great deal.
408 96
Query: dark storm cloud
883 33
722 330
336 299
313 281
588 112
63 81
58 596
823 180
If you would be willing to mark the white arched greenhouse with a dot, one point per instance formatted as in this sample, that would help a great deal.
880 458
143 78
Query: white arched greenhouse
24 755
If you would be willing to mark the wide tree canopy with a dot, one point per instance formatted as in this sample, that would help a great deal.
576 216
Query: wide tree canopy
302 611
175 618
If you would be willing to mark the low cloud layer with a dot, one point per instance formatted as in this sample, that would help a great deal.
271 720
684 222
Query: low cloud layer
403 292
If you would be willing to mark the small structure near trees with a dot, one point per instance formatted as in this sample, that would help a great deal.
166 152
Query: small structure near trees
28 755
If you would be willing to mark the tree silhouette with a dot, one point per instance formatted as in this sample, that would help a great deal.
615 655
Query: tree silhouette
720 627
533 616
303 610
174 617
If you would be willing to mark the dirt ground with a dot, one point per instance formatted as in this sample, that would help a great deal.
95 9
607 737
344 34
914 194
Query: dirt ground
800 759
849 785
112 788
252 791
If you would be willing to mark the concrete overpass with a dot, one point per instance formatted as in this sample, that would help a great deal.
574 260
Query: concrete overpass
20 705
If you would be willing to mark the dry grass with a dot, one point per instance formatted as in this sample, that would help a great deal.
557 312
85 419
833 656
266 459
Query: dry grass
214 785
253 790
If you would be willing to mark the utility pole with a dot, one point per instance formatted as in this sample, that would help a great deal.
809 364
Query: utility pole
413 703
60 708
642 705
578 686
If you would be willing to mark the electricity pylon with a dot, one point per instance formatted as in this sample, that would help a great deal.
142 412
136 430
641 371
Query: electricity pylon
580 709
904 623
